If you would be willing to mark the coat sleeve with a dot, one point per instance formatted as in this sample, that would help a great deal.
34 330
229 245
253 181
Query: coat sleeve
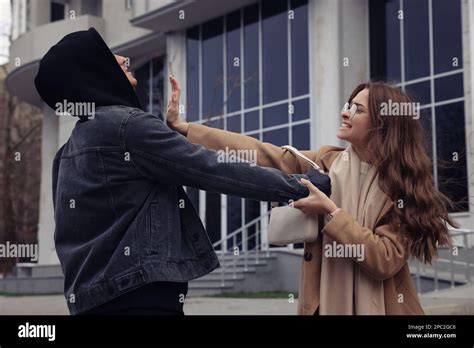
384 252
268 155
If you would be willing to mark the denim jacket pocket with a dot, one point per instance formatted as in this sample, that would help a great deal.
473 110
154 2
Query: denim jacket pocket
159 230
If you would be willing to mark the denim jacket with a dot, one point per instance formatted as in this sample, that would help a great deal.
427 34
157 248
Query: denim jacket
122 218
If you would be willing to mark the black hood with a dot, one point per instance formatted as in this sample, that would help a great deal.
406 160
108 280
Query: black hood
81 68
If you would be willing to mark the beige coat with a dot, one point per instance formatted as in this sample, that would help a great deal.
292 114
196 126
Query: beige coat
385 257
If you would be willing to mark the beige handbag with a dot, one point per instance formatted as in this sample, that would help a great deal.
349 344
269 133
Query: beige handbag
289 225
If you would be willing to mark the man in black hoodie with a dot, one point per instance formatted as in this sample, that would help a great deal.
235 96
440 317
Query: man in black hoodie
127 236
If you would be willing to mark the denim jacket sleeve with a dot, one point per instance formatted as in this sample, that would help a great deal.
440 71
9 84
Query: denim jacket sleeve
163 155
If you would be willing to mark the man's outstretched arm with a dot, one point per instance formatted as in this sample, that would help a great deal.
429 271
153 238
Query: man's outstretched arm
163 155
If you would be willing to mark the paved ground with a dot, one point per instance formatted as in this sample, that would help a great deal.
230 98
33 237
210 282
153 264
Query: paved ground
448 302
459 300
50 305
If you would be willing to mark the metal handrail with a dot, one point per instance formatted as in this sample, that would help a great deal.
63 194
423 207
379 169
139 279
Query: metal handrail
242 247
240 229
242 243
435 266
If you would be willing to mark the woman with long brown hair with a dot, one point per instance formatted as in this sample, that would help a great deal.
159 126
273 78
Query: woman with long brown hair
384 207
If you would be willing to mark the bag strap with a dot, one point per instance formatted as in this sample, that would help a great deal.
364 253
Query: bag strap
296 152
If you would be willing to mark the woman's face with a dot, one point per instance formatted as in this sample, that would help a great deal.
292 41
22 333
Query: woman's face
355 131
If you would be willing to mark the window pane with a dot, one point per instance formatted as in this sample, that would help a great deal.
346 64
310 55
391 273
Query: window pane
234 217
192 74
57 11
449 87
252 211
251 70
216 123
275 115
299 49
233 124
426 124
233 61
301 137
416 36
252 121
142 75
450 134
255 136
278 137
212 68
447 35
385 40
213 216
300 110
275 50
420 92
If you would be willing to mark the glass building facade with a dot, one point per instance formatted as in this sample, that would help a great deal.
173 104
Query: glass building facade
417 44
248 72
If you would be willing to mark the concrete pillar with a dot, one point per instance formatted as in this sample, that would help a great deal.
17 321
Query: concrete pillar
49 147
176 62
338 30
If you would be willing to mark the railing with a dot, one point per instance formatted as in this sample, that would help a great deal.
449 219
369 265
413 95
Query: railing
239 250
240 247
458 271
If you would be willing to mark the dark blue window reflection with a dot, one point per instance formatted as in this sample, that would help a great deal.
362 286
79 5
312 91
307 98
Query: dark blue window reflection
234 218
252 212
385 62
234 62
192 74
213 216
275 50
416 37
150 86
449 87
427 125
142 75
452 175
251 71
299 49
447 35
212 68
234 124
277 137
420 92
275 115
301 136
300 109
254 135
252 121
215 123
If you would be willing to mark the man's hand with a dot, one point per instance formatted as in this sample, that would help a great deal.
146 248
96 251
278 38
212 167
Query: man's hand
172 113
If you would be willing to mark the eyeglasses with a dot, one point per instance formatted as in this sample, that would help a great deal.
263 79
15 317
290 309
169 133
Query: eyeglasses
351 109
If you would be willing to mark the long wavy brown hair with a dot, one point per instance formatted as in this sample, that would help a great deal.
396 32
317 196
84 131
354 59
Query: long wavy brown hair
398 149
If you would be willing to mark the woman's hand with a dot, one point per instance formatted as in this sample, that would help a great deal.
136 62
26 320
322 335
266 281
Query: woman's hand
316 203
172 113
